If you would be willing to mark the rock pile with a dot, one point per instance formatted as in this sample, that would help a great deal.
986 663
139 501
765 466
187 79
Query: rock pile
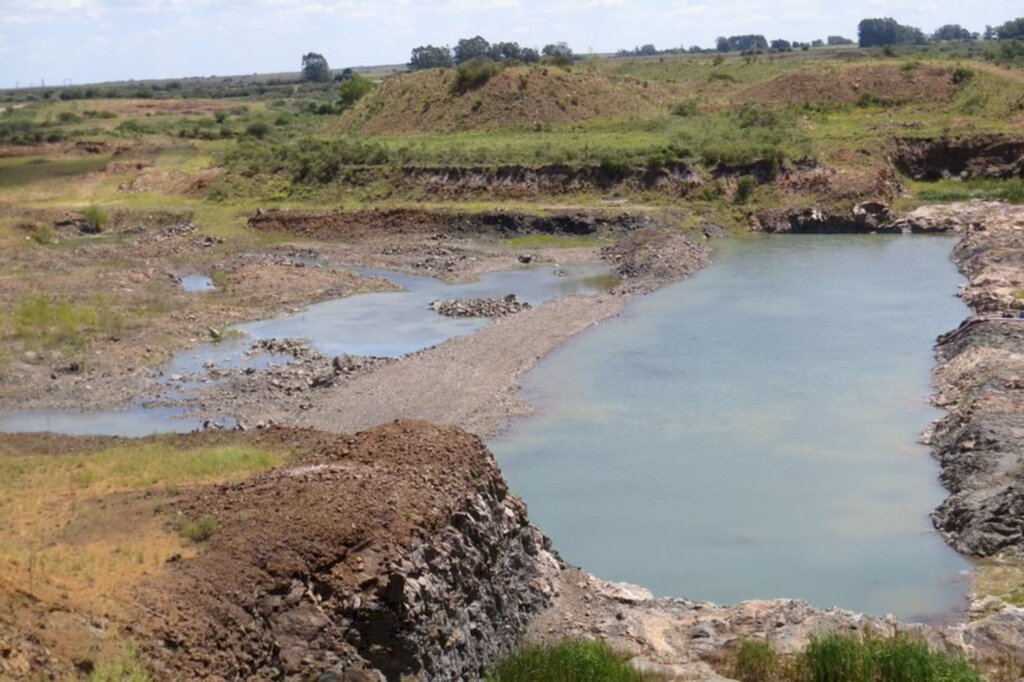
479 307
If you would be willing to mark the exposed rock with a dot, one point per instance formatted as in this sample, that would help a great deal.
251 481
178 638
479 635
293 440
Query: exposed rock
649 257
479 307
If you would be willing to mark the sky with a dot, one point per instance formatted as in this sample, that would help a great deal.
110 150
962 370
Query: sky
81 41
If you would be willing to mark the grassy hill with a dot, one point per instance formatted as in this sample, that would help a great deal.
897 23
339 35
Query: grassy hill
523 97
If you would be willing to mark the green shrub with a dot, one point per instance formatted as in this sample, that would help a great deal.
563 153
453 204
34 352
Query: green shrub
719 76
257 129
473 74
688 107
96 217
756 661
962 74
200 530
745 187
569 661
354 89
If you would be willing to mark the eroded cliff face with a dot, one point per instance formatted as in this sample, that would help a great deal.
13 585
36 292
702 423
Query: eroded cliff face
980 381
398 551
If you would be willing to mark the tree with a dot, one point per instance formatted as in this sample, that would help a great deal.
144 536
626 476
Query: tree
1011 30
817 42
315 68
742 43
839 40
501 52
722 44
887 31
352 90
990 33
431 57
781 45
529 56
647 50
952 32
471 48
559 50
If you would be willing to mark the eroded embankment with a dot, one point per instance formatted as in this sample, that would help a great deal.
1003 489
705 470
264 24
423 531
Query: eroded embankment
980 381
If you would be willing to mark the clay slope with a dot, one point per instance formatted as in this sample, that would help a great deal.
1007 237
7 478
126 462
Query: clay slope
424 102
844 85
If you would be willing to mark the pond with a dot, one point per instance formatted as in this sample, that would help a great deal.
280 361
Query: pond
753 432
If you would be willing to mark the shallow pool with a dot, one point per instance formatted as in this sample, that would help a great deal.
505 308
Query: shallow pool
752 432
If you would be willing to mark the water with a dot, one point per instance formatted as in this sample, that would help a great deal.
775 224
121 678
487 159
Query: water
197 284
383 324
751 433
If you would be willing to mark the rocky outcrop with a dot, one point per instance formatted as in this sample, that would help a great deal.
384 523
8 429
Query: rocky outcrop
989 156
479 307
980 381
398 551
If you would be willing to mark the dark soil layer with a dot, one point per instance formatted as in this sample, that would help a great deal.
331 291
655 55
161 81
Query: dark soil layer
398 549
975 157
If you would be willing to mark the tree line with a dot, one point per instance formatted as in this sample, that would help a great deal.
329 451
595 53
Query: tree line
477 47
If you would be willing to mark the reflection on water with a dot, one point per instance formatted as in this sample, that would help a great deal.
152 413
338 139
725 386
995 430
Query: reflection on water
753 432
381 324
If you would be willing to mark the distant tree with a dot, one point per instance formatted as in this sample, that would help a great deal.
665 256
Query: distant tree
1011 30
471 48
431 57
352 90
722 44
839 40
315 68
817 42
989 34
887 31
781 45
695 49
647 50
952 32
559 50
345 74
501 52
529 56
742 43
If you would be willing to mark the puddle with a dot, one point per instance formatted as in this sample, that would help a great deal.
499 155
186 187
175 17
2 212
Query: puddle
386 324
197 284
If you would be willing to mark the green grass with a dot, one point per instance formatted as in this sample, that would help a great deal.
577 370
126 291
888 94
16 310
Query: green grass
137 466
569 661
19 171
127 668
1011 191
42 323
199 530
850 658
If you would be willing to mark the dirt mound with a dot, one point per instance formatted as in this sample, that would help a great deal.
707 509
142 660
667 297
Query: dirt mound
844 85
990 156
651 256
398 549
518 97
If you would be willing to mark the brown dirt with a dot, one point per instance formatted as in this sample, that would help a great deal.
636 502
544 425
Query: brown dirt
424 102
844 85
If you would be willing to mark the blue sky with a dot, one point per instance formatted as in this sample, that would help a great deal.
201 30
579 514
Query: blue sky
97 40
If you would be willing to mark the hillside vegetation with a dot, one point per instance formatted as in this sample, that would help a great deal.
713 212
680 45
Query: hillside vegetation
526 97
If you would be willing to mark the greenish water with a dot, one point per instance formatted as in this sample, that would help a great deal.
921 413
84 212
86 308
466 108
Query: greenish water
752 432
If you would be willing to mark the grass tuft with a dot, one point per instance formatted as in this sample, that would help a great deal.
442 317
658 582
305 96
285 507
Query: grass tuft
569 661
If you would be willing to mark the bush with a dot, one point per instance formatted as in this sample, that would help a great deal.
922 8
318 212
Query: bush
257 129
962 75
570 661
473 74
688 107
354 89
96 217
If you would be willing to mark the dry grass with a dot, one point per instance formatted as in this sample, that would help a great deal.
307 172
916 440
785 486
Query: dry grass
83 528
